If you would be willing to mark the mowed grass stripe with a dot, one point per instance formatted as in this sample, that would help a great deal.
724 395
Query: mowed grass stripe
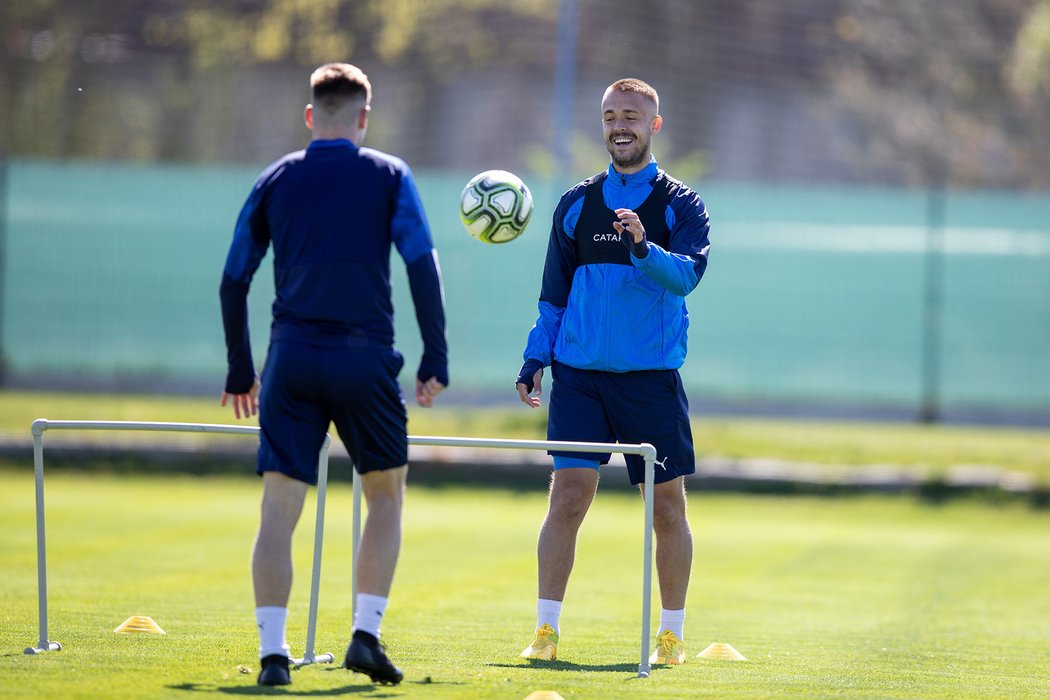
863 597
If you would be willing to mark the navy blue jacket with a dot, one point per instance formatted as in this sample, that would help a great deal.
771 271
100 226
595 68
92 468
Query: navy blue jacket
332 212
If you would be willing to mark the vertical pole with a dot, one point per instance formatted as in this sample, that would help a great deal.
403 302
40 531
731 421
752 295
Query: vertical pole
41 546
933 282
647 563
42 645
565 84
355 536
315 582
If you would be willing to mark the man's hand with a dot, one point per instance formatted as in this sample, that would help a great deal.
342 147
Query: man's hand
531 399
632 233
629 222
248 404
427 391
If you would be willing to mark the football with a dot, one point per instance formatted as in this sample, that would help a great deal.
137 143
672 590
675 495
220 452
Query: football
495 206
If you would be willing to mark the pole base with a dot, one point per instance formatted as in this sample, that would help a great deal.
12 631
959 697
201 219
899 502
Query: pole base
43 647
314 659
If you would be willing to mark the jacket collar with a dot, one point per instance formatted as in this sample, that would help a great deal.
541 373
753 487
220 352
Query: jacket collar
643 176
330 143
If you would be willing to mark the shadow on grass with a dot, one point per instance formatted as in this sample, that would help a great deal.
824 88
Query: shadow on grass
569 666
366 689
270 690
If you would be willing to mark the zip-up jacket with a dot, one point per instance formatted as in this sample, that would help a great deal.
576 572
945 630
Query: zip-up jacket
332 213
609 304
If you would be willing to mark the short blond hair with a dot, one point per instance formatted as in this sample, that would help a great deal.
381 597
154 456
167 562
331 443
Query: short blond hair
639 86
334 84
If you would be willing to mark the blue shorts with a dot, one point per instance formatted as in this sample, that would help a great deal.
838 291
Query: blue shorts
626 407
306 388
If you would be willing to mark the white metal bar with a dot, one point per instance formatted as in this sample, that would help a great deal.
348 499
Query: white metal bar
648 453
45 424
43 643
315 580
647 562
42 424
355 541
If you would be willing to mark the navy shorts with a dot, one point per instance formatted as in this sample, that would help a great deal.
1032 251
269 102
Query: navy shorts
626 407
306 388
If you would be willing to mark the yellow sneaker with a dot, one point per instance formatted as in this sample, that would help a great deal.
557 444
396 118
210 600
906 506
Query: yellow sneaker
669 651
545 645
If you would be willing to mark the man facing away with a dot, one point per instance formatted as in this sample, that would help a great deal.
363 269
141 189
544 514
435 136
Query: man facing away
627 245
332 213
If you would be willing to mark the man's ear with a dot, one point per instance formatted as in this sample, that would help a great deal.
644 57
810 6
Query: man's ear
657 124
308 116
362 117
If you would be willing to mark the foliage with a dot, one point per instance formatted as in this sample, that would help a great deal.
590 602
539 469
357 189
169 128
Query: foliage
888 91
935 94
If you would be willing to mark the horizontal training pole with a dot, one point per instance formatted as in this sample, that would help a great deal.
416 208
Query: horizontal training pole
42 424
643 449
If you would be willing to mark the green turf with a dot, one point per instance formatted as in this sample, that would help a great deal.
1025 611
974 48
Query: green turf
931 447
859 597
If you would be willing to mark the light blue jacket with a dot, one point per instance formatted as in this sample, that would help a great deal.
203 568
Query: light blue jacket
613 317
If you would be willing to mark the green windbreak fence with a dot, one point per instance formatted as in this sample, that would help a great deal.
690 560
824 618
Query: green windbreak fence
877 297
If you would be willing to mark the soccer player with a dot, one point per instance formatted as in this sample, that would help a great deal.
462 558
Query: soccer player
627 245
331 212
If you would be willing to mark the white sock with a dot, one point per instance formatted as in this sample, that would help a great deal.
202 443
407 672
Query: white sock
271 621
547 613
673 620
369 613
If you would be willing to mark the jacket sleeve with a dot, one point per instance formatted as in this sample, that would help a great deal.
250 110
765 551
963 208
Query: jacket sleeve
679 269
558 271
411 235
251 238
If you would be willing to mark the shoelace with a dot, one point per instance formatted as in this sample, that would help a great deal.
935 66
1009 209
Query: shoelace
544 634
668 642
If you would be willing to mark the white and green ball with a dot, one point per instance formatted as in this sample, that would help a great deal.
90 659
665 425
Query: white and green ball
495 206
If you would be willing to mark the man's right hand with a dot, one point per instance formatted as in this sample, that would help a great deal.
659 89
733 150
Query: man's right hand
531 397
247 403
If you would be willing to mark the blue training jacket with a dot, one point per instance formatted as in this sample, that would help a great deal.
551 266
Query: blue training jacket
332 212
619 318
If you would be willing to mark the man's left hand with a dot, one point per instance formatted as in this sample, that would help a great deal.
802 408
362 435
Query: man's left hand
247 403
629 222
427 391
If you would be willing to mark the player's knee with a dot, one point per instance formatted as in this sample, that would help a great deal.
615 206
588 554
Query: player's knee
384 489
567 511
282 498
669 519
570 505
669 514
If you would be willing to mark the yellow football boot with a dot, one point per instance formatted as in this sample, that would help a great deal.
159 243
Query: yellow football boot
669 651
545 645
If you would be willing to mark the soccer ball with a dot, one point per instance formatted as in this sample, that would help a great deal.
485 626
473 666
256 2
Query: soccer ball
495 206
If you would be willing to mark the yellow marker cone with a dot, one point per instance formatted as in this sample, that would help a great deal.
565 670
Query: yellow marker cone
544 695
139 623
721 652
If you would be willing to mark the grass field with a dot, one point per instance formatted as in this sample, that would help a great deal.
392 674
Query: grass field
860 596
